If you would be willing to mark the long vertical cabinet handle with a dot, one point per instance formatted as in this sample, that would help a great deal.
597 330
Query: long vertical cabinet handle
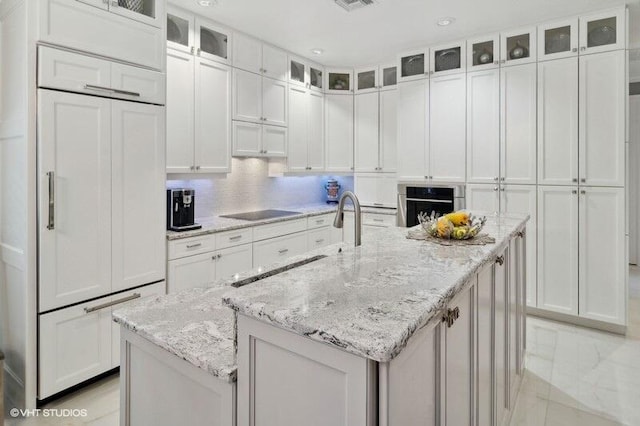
51 223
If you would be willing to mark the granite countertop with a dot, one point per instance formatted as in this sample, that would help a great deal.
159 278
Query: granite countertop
370 300
212 225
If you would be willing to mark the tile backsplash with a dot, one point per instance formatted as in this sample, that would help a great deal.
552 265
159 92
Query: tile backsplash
248 187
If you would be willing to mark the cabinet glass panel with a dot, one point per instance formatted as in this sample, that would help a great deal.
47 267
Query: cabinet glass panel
213 42
177 30
602 32
412 65
366 80
297 71
447 59
557 40
518 47
483 53
339 81
143 7
389 76
315 78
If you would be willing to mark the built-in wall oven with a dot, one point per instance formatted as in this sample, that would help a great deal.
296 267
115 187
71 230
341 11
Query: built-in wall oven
415 199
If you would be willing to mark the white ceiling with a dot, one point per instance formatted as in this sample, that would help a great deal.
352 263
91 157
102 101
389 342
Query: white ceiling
376 33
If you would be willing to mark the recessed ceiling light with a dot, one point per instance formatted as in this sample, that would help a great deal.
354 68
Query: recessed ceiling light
317 51
206 3
443 22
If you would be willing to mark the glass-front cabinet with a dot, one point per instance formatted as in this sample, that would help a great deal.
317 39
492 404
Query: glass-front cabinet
180 30
601 32
558 40
316 74
339 81
298 71
367 79
518 46
213 41
388 76
483 52
150 12
413 65
448 59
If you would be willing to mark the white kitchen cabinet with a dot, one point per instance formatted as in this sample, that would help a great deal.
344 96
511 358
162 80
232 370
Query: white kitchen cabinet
306 130
501 279
376 190
191 272
483 197
247 139
316 141
447 128
558 122
274 141
247 96
180 112
483 126
518 46
558 249
485 350
339 81
518 130
212 41
274 102
603 31
339 133
306 74
388 133
602 119
233 260
75 202
557 40
483 53
376 77
413 65
375 122
180 29
448 58
274 62
413 130
319 238
275 249
602 247
247 53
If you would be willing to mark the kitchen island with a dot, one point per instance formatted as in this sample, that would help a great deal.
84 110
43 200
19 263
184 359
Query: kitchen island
395 332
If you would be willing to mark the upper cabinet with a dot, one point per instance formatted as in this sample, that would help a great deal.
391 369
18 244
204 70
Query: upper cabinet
305 74
150 12
558 40
180 30
518 46
377 77
483 53
252 55
339 81
413 65
601 32
448 59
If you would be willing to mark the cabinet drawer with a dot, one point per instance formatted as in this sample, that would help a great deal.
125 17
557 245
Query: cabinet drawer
280 228
191 272
138 84
190 246
318 238
233 260
374 219
276 249
320 221
234 238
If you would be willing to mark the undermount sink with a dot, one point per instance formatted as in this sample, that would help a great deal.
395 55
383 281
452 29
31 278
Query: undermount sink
277 271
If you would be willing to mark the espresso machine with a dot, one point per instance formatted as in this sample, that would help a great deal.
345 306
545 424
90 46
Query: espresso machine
181 210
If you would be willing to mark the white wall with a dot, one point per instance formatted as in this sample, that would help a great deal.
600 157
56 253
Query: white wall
250 188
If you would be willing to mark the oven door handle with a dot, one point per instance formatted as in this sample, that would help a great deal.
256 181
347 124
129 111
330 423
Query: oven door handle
429 200
402 216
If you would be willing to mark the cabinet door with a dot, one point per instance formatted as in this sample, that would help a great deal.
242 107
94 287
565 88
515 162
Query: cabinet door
485 350
212 117
233 260
138 252
602 119
483 53
413 135
191 272
366 79
150 12
298 71
74 144
339 81
557 40
459 356
316 77
388 77
275 63
274 102
366 132
603 31
413 65
247 53
388 130
339 128
558 122
387 191
522 199
366 188
318 238
447 130
298 129
138 84
96 3
483 126
315 117
213 41
518 46
513 322
180 112
180 30
276 249
74 346
274 141
518 135
448 59
247 139
500 338
558 249
484 198
602 262
247 96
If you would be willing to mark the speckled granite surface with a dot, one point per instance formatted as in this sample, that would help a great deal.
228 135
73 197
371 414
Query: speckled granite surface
216 224
370 300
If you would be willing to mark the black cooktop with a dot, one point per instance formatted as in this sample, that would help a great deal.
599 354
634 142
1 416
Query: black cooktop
261 215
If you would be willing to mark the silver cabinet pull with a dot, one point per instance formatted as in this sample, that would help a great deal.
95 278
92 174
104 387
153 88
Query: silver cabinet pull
197 167
193 245
378 220
575 179
283 251
198 51
319 241
495 179
378 204
582 49
51 223
495 188
193 49
574 191
583 192
112 303
236 238
574 50
319 221
583 180
111 90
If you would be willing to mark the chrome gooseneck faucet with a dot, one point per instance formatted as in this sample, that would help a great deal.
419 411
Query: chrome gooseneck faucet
338 222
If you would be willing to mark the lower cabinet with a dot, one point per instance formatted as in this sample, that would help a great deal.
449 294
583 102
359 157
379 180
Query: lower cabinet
276 249
371 222
377 189
82 341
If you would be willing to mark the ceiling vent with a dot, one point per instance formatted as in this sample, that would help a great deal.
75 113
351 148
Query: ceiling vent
350 5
